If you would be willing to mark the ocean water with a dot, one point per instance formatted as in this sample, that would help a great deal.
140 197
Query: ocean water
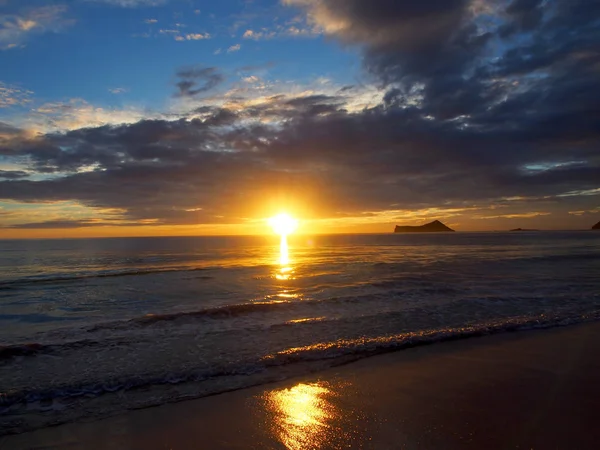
91 327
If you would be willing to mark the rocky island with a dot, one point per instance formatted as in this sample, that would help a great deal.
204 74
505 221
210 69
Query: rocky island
596 227
524 229
433 227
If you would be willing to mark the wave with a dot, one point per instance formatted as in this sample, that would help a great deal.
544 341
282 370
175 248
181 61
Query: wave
10 351
35 348
560 258
227 311
332 353
239 309
369 346
214 313
20 282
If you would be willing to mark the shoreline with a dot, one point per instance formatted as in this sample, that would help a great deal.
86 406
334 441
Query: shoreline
535 389
37 414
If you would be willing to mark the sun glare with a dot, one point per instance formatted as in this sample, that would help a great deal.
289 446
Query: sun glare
283 224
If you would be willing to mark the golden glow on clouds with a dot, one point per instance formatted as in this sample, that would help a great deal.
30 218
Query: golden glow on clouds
18 213
16 28
527 215
77 113
106 222
322 16
12 95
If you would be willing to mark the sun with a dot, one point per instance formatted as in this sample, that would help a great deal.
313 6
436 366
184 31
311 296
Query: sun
283 224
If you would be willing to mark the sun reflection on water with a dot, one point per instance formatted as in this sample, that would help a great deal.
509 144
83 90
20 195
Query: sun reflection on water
302 415
284 253
284 271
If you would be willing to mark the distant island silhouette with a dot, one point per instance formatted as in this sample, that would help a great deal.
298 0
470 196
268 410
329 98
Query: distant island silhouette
433 227
524 229
596 227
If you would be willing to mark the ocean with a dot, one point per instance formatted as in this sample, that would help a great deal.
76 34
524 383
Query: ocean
92 327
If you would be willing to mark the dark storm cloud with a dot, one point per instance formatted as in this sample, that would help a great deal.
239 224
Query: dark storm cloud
343 163
196 80
7 130
430 48
525 15
445 48
13 174
401 38
473 114
284 109
312 100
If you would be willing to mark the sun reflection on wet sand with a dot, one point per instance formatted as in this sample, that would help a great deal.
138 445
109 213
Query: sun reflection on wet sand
302 415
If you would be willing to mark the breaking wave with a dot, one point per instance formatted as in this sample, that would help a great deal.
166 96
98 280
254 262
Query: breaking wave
62 278
331 352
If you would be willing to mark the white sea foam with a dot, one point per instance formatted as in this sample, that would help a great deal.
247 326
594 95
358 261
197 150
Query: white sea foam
149 329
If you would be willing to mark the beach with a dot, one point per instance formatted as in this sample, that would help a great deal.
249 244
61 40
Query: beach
299 224
529 390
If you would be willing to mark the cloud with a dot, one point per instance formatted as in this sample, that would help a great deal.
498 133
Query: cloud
150 21
185 37
117 90
234 48
527 215
401 39
197 36
80 223
450 53
595 210
281 31
13 96
10 134
77 113
227 164
196 80
15 29
13 174
258 35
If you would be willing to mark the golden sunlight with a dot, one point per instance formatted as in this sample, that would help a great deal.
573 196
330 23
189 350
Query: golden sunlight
302 415
283 224
284 253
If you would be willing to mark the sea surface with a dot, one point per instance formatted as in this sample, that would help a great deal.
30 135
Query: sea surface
92 327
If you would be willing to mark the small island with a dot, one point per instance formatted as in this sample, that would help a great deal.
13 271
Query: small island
433 227
524 229
596 227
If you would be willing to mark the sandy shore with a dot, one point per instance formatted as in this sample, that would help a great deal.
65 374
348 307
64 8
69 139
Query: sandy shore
527 390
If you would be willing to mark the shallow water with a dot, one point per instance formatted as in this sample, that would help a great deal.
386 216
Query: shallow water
106 324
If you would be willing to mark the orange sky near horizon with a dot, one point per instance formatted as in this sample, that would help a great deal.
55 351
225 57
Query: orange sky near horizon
306 227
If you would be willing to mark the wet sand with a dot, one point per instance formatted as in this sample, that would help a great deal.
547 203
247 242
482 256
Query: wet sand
526 390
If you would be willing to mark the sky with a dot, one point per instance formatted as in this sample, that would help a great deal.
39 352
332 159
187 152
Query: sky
191 117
